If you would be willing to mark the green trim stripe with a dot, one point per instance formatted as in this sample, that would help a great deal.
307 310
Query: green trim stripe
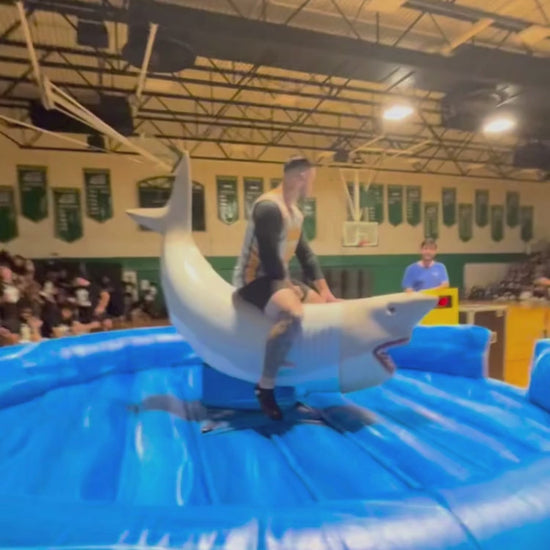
386 270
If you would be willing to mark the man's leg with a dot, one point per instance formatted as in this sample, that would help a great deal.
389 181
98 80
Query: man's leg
285 308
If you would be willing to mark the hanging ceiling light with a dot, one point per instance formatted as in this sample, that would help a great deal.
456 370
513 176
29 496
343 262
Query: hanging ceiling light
498 124
398 111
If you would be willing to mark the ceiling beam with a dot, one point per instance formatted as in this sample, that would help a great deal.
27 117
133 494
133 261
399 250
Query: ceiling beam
465 13
474 30
193 126
213 68
259 122
230 37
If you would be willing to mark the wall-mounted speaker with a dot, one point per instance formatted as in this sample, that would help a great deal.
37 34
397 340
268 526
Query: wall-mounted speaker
171 53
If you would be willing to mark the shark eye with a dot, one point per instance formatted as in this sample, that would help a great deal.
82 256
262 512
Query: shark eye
390 310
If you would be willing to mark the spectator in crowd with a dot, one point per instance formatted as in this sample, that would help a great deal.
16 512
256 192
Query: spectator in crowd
9 299
102 307
92 303
115 306
149 298
30 287
18 265
129 299
29 323
66 324
51 312
85 298
542 275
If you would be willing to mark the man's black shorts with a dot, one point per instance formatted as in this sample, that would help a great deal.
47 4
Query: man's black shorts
260 290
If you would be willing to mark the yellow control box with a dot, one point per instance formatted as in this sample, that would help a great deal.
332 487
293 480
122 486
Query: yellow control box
446 310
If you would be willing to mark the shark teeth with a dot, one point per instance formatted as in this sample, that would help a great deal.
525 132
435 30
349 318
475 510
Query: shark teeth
386 361
383 357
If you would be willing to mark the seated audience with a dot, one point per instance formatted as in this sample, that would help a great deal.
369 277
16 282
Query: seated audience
34 307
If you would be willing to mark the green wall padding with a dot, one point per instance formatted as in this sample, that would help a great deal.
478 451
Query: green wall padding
386 270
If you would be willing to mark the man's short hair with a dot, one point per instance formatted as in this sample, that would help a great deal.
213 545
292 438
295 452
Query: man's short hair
428 242
297 163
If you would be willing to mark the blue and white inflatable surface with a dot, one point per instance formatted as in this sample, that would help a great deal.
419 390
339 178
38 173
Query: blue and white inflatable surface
107 443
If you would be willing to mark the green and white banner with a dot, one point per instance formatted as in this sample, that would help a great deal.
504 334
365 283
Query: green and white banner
465 222
228 200
526 215
431 220
67 214
309 210
372 202
414 204
8 216
253 188
512 209
482 207
33 192
497 222
395 204
99 202
448 201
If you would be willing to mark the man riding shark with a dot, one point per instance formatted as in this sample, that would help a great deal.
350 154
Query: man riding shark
268 329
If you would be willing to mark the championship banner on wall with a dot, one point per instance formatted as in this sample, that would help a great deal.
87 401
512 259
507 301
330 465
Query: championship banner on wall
465 222
8 217
482 207
228 201
395 204
253 188
512 209
33 192
448 201
308 206
414 204
431 220
67 214
99 202
372 202
497 223
526 216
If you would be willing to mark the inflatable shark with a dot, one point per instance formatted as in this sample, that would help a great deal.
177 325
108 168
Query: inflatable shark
342 346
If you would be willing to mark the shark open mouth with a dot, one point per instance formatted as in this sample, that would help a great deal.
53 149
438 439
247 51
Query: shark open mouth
380 352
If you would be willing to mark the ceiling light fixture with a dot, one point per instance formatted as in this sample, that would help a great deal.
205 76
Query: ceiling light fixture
499 124
397 112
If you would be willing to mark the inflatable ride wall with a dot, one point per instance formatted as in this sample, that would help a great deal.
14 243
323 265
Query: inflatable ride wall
439 457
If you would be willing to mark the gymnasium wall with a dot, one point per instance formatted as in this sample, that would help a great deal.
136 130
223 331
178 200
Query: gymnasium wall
119 238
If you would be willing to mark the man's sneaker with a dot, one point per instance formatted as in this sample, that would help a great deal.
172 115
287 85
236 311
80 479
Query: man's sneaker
269 406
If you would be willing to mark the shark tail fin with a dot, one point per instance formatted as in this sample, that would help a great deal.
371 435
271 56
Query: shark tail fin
152 218
178 211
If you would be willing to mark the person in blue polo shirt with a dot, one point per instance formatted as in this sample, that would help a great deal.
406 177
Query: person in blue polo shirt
426 273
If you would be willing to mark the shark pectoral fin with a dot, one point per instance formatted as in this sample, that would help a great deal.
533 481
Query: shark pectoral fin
152 218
